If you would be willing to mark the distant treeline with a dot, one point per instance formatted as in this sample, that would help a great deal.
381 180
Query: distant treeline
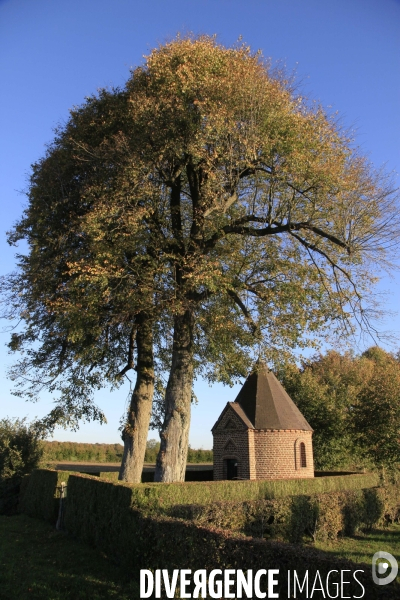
110 452
194 456
83 452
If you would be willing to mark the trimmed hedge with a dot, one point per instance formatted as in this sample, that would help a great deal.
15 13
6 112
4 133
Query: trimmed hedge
103 515
148 476
40 489
319 516
153 495
136 525
39 494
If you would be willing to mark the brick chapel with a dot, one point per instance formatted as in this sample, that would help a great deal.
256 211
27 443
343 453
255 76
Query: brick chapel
262 435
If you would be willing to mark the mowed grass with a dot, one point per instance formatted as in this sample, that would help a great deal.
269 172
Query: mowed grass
363 546
38 562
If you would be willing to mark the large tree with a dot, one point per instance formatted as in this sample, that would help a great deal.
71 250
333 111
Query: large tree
202 210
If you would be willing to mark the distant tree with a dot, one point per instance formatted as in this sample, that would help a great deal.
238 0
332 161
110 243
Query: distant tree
203 211
152 449
57 451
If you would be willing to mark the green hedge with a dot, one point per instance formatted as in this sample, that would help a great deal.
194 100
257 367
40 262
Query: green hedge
163 495
137 524
318 516
104 515
40 489
39 494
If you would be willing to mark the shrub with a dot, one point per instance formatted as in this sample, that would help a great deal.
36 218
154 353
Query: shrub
20 448
20 452
328 515
320 516
353 513
303 518
374 507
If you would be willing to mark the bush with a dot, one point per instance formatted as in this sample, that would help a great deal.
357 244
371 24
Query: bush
374 507
20 448
353 513
20 452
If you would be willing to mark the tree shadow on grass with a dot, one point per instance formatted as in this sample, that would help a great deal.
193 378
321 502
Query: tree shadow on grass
41 563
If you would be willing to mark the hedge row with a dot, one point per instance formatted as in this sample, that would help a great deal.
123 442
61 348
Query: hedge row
160 497
101 514
40 493
318 516
108 516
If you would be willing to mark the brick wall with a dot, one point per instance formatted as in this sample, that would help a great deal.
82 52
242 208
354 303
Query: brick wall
277 454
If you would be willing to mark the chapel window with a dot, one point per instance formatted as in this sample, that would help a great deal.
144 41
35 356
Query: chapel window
303 458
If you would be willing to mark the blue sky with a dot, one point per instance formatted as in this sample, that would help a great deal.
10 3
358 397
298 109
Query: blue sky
53 54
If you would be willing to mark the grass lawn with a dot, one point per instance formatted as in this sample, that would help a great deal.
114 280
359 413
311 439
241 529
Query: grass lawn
363 546
38 562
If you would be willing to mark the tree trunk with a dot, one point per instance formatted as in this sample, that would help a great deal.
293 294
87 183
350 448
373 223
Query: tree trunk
137 426
171 459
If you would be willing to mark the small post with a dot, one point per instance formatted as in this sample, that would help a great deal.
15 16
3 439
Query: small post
59 524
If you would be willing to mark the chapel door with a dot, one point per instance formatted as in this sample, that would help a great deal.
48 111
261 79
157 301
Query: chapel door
231 468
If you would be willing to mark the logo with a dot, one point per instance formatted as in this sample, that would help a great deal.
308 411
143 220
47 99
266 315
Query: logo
381 563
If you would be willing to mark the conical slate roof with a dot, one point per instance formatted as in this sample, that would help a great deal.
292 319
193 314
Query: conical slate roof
266 403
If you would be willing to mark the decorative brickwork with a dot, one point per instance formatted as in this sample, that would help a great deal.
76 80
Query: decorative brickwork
282 451
231 441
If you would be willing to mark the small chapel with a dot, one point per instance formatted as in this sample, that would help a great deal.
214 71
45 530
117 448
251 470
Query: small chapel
262 434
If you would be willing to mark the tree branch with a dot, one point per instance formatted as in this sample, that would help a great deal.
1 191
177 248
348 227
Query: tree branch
244 310
273 229
130 364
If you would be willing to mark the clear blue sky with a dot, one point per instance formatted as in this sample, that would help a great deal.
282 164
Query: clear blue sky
54 53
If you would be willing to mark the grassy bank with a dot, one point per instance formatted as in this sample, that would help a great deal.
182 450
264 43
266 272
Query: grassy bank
38 562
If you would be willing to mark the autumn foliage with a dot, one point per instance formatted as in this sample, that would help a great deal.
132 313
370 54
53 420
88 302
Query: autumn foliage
353 404
205 213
